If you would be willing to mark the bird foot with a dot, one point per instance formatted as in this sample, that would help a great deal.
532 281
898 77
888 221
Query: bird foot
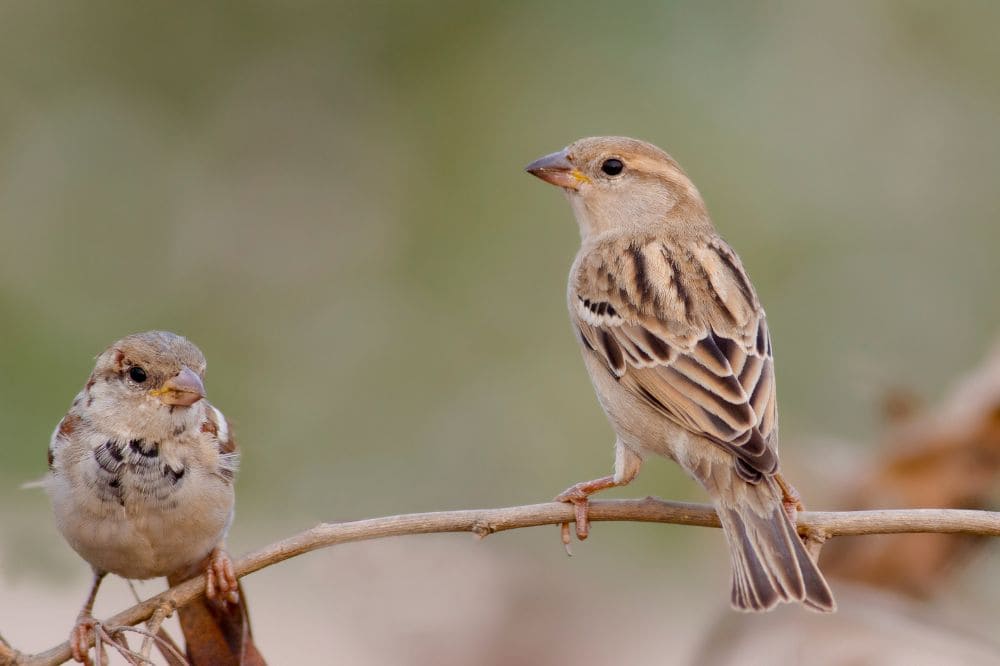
221 584
579 496
581 508
84 630
791 500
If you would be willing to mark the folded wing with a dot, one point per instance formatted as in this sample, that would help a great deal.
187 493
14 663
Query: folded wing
691 343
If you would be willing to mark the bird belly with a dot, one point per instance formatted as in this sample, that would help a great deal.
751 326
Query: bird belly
641 427
142 530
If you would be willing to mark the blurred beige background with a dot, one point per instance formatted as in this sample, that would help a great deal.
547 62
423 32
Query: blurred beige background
328 198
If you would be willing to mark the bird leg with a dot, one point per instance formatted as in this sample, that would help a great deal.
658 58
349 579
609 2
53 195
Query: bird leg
220 577
627 464
79 637
790 498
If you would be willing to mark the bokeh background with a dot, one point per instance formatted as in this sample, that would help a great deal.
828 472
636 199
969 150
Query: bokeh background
328 198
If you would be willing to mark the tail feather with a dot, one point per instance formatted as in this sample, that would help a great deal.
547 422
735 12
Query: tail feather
218 633
770 562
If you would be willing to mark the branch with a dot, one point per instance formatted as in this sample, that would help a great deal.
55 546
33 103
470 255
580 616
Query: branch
818 525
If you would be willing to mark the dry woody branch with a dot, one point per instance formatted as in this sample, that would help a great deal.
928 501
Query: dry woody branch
815 526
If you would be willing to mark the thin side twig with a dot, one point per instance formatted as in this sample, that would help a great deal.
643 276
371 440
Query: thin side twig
153 626
819 525
165 643
154 638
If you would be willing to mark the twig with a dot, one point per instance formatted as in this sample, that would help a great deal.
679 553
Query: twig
165 643
482 522
143 657
154 623
170 650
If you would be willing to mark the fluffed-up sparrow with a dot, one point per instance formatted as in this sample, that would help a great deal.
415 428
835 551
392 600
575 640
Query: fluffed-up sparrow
141 473
677 346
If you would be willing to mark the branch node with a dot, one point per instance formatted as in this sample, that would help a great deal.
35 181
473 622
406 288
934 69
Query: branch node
483 528
814 540
163 611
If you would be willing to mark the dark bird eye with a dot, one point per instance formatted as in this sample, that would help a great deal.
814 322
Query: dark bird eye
137 374
612 167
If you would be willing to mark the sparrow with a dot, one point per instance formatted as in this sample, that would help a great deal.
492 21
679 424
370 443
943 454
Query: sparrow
141 473
676 344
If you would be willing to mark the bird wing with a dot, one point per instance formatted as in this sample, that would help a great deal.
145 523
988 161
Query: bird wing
216 428
69 426
693 344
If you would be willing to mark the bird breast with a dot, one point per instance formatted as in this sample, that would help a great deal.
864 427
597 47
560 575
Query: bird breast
140 508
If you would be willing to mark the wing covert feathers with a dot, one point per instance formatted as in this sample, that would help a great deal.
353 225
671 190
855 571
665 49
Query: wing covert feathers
682 329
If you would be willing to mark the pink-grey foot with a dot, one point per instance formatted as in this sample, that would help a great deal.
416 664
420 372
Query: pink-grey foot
790 498
220 578
579 496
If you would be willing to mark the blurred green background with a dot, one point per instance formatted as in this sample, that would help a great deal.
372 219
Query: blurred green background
328 198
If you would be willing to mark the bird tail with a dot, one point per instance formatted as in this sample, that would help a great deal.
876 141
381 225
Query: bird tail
218 632
770 563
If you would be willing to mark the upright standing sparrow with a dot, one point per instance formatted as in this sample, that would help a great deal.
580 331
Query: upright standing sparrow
676 344
141 478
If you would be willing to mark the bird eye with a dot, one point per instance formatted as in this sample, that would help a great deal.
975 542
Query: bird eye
612 167
137 374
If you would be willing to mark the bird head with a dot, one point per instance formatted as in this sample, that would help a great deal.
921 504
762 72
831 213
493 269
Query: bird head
154 374
620 183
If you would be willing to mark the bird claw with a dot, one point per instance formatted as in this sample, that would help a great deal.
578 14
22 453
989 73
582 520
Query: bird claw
80 638
221 584
580 499
791 500
579 496
566 538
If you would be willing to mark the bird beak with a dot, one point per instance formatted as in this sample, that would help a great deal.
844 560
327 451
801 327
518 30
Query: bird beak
184 388
558 170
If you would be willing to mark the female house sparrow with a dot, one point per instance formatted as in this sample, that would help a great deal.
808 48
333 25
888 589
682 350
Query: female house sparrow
676 344
141 475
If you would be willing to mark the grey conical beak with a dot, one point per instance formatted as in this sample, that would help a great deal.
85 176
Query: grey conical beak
184 389
557 169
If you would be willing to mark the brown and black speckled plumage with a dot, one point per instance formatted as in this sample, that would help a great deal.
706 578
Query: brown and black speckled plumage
141 473
697 357
677 345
